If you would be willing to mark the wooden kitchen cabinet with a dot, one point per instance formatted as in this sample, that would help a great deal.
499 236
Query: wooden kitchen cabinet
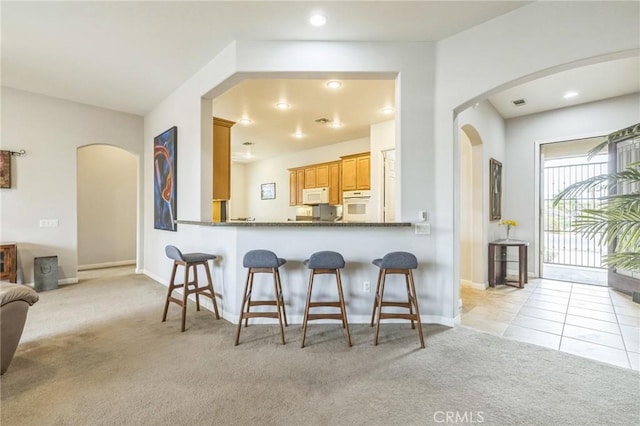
300 186
335 182
322 176
221 159
356 172
9 262
310 177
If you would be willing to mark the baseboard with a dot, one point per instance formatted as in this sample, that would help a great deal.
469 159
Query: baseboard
154 277
106 265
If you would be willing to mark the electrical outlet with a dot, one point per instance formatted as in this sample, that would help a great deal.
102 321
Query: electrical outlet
366 287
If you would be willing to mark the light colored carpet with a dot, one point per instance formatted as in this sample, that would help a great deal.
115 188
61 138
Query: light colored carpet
97 353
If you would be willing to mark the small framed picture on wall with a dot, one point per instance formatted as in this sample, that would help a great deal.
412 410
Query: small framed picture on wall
268 191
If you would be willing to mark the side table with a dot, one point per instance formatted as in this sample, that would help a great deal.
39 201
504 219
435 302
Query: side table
499 260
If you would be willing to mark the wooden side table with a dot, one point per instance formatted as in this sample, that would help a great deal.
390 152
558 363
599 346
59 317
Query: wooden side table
9 262
499 261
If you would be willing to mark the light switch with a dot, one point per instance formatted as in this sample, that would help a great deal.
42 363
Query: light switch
48 223
423 228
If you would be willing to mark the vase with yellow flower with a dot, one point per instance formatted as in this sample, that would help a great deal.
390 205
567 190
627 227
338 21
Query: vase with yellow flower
508 223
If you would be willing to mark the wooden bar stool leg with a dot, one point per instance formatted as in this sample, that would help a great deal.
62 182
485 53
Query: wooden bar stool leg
249 293
406 279
306 308
196 286
170 291
185 295
375 297
415 301
244 301
343 308
278 304
384 276
281 295
210 287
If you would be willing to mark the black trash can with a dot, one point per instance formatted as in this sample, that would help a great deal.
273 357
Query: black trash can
45 273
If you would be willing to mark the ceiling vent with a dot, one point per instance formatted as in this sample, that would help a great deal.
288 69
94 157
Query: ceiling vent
322 120
519 102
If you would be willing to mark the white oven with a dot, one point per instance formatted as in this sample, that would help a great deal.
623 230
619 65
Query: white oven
355 206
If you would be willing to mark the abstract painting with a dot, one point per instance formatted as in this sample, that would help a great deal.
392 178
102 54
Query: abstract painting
164 182
495 190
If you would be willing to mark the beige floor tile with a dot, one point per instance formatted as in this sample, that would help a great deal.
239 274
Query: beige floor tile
555 285
634 359
588 305
594 324
590 313
593 336
564 300
480 322
627 320
550 292
622 300
538 324
494 313
503 306
630 312
542 313
546 305
595 351
631 337
589 289
606 300
532 336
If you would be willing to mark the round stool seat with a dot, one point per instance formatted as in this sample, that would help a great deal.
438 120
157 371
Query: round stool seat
397 260
174 253
262 259
325 260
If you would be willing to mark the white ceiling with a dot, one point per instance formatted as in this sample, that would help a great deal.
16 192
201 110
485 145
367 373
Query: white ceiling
128 56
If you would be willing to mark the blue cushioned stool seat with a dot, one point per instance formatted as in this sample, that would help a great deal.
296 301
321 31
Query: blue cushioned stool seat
262 261
189 261
325 262
398 262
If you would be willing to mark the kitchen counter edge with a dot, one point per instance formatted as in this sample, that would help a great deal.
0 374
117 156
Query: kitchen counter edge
297 224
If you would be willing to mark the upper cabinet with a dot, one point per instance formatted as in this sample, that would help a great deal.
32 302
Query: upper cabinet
221 159
316 176
356 172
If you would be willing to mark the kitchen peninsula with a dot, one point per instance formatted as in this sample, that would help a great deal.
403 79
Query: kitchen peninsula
358 242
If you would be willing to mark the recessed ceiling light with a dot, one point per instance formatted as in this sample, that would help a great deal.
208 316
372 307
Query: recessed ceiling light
387 110
318 20
336 124
282 105
570 95
245 121
334 84
298 135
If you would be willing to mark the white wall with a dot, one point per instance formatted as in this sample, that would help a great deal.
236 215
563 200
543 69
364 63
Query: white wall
532 41
276 170
486 133
383 137
45 180
524 135
107 200
466 209
238 202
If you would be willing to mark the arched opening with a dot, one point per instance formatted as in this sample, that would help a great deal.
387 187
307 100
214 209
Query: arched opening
107 189
472 253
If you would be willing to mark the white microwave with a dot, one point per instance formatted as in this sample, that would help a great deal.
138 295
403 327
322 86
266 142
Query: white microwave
314 196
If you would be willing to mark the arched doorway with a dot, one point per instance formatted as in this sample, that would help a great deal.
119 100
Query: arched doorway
107 185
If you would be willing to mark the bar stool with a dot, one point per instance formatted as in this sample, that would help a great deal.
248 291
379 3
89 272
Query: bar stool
398 262
325 262
189 260
262 261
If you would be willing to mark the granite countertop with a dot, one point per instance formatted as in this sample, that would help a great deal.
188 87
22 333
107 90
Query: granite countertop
294 224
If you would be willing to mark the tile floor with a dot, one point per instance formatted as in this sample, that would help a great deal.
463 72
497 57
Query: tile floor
585 320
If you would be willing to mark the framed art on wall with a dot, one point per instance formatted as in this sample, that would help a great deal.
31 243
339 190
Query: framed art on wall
164 182
268 191
5 169
495 189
